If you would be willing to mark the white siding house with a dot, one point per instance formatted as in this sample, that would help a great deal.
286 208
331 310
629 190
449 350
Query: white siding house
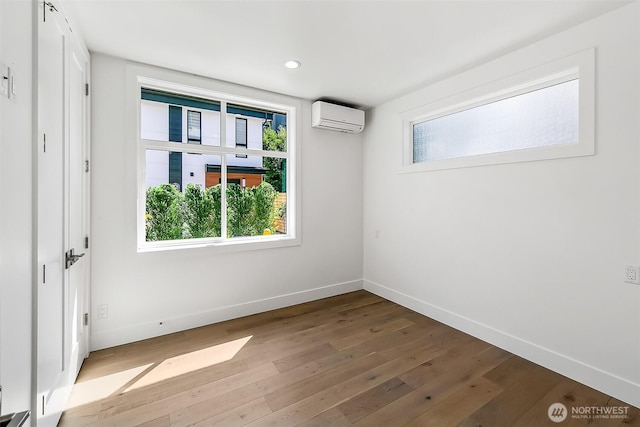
154 125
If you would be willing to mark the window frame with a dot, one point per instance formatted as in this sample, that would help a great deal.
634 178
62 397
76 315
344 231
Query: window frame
579 66
173 82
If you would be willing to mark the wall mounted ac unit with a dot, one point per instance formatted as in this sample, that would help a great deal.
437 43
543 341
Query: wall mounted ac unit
336 117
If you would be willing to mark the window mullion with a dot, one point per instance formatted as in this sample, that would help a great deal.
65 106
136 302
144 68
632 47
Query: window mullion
142 191
223 170
223 123
151 144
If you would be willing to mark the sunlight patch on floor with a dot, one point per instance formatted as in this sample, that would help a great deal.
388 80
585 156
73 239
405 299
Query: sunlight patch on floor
190 362
102 387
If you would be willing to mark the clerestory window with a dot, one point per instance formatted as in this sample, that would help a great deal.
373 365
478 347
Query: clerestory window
538 114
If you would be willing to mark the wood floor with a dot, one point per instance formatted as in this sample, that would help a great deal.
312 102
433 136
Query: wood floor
355 359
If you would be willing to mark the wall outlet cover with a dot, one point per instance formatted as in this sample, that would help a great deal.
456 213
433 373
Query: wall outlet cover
631 274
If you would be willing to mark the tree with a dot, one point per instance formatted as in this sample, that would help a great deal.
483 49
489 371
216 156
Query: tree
215 193
239 211
163 217
198 211
264 210
273 140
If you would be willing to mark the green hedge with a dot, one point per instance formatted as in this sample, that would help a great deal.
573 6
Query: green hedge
172 215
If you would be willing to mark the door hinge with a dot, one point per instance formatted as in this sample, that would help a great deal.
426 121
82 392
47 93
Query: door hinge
44 273
51 7
86 242
86 89
86 319
45 143
86 165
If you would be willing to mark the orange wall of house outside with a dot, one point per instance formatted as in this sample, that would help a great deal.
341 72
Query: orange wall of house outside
252 180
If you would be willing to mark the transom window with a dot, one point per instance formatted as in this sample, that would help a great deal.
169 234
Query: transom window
540 118
546 112
212 172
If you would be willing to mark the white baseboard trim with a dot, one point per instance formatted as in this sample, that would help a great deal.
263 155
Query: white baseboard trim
129 334
608 383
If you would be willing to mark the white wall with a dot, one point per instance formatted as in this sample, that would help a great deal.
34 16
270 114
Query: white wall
16 209
528 256
190 287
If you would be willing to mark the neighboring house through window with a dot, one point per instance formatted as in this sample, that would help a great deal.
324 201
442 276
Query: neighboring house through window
224 180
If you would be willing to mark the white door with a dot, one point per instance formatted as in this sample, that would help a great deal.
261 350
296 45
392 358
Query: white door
76 198
62 214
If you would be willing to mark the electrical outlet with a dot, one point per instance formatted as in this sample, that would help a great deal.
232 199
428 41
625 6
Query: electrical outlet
631 274
103 311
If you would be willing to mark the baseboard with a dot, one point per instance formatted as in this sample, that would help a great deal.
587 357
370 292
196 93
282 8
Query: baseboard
606 382
129 334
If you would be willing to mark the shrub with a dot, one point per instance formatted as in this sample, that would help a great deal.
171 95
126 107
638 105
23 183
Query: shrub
172 215
199 213
239 211
215 193
164 220
264 211
273 140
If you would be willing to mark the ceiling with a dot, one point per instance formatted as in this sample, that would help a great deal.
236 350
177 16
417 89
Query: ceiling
361 53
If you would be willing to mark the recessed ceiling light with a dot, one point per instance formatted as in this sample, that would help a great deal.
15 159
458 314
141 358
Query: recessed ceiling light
293 64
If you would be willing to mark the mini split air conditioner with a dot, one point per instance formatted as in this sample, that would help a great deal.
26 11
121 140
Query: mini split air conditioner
336 117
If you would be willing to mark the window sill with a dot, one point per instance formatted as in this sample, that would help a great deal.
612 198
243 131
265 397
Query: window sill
516 156
238 244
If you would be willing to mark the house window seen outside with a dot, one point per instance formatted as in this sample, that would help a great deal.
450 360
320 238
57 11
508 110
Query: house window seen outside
194 128
241 135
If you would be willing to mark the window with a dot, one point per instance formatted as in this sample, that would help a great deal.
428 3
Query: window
539 114
547 116
241 135
193 126
214 173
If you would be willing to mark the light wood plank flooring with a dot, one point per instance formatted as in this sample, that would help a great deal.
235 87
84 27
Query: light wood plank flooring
354 359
